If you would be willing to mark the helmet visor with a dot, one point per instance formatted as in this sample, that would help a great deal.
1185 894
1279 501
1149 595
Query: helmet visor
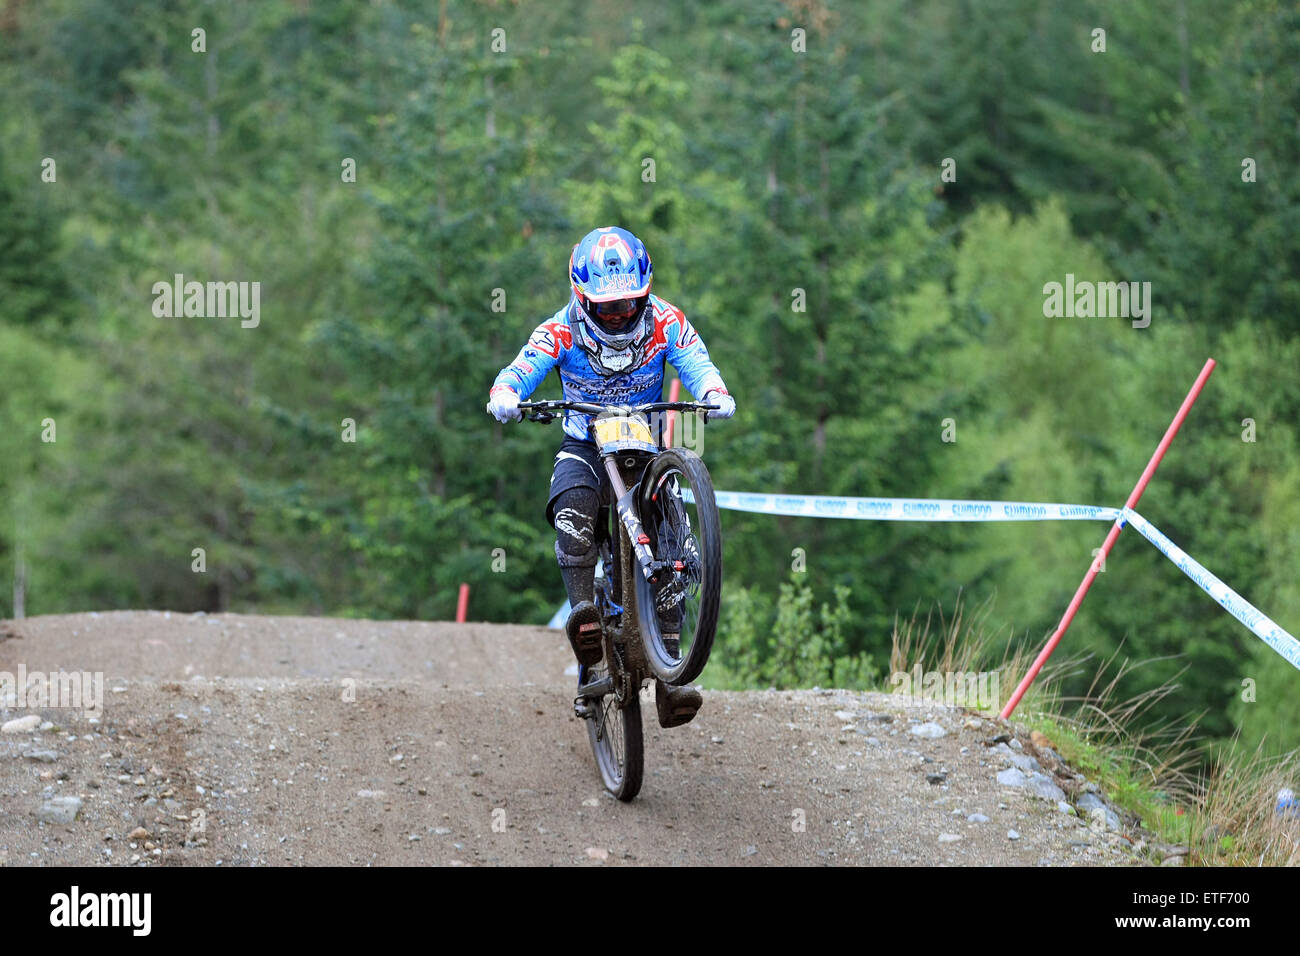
617 314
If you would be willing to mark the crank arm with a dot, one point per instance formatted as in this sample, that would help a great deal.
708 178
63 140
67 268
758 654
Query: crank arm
597 689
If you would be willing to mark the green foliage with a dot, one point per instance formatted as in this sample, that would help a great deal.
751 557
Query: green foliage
779 179
34 289
788 645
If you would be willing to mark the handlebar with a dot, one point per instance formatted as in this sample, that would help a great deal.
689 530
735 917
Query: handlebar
545 411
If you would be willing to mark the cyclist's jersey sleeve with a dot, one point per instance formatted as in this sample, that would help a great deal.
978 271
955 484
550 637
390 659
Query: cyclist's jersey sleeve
542 352
687 354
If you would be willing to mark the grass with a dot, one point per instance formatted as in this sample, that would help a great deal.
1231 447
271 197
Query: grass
1240 806
1221 803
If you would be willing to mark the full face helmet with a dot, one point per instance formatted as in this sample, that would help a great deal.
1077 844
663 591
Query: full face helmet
610 313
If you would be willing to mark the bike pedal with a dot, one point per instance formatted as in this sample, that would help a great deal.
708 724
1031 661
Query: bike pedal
676 706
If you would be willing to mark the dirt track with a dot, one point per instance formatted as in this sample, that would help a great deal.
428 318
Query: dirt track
274 740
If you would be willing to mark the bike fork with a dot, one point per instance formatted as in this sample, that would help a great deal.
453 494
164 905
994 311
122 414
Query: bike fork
625 505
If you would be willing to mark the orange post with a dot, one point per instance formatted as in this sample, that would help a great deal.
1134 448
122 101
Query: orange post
674 390
1133 497
462 604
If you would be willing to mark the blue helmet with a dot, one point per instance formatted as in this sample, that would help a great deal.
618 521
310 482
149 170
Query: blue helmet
611 272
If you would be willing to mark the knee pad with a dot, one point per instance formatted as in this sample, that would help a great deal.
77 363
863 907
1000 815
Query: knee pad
575 528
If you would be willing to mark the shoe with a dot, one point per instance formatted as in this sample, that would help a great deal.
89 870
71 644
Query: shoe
585 633
672 644
676 705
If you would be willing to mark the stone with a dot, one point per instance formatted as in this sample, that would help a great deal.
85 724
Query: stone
21 725
1088 800
1104 818
1011 777
928 731
1038 784
1041 785
1021 761
59 810
1099 812
1051 759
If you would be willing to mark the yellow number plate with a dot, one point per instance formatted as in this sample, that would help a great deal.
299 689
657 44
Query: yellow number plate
623 432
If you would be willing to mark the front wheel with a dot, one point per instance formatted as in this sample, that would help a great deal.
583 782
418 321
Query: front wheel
680 516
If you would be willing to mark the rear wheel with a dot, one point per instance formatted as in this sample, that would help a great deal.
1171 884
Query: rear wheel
680 516
616 740
615 727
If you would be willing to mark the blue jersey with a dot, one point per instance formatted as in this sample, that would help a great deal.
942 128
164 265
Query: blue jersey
673 340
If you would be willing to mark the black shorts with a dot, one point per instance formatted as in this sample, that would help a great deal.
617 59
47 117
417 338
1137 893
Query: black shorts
577 465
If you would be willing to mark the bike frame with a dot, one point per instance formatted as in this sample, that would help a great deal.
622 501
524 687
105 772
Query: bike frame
631 550
624 641
624 497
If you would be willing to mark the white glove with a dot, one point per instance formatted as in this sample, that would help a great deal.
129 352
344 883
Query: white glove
503 404
717 396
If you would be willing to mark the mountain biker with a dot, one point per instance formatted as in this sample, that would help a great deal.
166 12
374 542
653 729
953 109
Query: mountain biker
609 344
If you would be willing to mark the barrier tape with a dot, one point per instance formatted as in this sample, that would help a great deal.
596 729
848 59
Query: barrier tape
906 509
941 509
892 509
1232 602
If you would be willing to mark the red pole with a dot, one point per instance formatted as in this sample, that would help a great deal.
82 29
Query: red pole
1115 529
462 604
674 390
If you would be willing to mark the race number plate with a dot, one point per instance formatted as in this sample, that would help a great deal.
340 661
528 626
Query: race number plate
623 433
